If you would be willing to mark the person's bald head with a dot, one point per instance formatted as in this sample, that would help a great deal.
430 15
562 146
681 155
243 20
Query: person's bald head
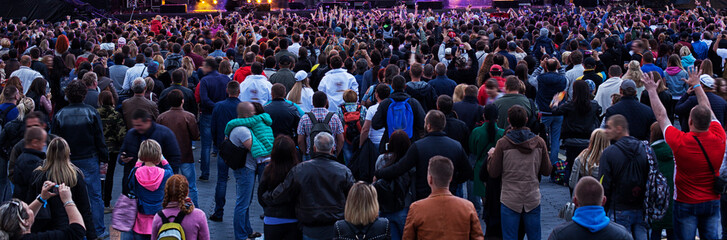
588 192
245 110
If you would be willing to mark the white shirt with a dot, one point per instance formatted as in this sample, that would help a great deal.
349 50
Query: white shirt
721 52
374 134
334 83
255 88
139 70
605 90
294 48
26 76
571 76
306 99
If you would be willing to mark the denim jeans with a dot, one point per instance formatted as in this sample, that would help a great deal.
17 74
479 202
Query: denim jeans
347 152
705 217
205 132
396 222
245 178
187 169
511 222
6 192
131 235
90 169
223 174
633 221
656 234
553 123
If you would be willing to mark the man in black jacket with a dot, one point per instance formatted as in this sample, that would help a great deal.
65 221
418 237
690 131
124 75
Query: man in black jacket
190 104
589 218
436 143
309 185
455 128
639 116
80 125
380 121
469 110
285 115
623 171
31 158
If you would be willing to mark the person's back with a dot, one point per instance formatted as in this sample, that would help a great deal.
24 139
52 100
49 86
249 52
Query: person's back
335 82
81 126
616 161
443 85
589 219
549 84
441 215
285 115
639 116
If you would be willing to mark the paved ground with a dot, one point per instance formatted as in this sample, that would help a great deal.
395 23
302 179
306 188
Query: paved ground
553 197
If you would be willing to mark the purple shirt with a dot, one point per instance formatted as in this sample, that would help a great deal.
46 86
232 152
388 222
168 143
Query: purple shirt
194 224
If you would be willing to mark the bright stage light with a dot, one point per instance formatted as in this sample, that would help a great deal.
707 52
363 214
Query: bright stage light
214 2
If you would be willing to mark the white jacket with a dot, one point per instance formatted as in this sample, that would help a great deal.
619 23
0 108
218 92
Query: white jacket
605 90
255 88
334 83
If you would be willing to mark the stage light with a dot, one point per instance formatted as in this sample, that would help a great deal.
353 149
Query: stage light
258 1
214 2
202 1
270 1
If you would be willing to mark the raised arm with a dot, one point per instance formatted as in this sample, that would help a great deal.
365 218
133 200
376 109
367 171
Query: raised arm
693 81
656 106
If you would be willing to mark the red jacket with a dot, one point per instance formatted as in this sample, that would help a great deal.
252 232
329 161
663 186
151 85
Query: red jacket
156 25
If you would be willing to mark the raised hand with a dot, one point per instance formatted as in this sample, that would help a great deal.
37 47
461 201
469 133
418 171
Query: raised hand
649 82
694 74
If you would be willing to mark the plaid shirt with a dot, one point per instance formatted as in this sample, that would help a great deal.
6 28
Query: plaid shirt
305 125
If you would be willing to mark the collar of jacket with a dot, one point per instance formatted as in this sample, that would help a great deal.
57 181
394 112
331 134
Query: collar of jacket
324 156
436 134
470 99
34 152
148 131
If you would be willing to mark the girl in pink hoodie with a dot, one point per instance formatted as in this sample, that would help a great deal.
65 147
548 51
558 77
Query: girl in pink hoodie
147 182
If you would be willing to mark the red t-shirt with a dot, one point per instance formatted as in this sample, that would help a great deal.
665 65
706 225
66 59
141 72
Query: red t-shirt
692 177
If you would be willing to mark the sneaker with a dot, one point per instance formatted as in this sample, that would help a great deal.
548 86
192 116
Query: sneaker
104 235
254 235
215 218
108 210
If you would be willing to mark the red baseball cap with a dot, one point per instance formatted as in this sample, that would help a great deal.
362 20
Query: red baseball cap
452 34
496 68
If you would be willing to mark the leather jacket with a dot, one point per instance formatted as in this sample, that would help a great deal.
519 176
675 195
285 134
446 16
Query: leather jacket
81 126
318 187
378 229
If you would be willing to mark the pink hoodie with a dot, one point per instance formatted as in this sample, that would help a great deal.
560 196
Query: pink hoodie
151 179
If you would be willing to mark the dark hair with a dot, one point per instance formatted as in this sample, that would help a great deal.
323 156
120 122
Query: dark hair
445 103
38 86
581 97
517 116
398 83
383 91
614 70
233 87
283 157
277 90
212 63
701 117
106 98
441 170
416 70
399 143
178 75
141 114
259 109
256 68
319 99
175 97
76 91
36 115
436 119
336 62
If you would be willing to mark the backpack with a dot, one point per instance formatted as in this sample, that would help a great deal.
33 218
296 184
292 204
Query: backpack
351 123
4 114
400 116
656 197
559 170
171 230
319 127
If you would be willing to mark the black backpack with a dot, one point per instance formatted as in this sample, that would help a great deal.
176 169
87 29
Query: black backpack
3 115
319 127
235 157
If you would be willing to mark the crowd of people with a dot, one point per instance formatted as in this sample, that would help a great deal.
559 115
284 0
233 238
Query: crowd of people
381 124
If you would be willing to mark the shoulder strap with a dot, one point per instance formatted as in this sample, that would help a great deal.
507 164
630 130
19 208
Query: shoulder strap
312 117
180 217
711 168
328 117
163 217
5 112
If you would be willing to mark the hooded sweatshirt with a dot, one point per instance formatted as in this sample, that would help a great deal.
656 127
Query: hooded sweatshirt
262 134
624 168
520 157
590 222
148 186
688 61
674 83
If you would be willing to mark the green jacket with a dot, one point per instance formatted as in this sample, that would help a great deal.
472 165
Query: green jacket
665 159
262 134
479 142
505 102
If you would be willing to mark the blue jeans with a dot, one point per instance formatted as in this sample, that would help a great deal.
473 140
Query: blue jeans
511 222
705 217
347 152
396 222
90 169
553 123
633 221
221 189
205 132
245 184
187 169
131 235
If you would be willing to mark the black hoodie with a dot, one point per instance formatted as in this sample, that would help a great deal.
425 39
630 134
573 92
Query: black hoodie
624 168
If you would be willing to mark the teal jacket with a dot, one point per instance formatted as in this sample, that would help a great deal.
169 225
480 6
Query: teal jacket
262 134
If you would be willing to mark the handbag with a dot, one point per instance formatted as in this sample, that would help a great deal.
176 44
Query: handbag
720 182
235 157
125 209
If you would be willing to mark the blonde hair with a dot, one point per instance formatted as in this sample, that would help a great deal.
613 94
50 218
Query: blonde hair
25 106
459 92
684 51
150 151
295 93
58 166
591 156
362 204
159 59
634 73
